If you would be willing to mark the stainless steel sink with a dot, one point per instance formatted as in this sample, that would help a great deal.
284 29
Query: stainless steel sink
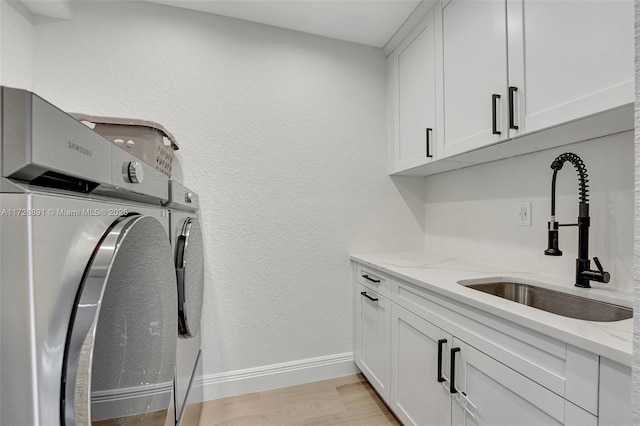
564 304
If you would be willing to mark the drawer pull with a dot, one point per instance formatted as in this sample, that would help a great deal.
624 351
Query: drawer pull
373 299
441 343
367 277
452 387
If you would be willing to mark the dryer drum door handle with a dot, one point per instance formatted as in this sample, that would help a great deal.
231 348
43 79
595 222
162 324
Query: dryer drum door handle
182 311
188 279
181 247
180 279
181 268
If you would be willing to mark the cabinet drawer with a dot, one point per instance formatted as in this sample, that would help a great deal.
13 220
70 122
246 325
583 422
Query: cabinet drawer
561 368
373 279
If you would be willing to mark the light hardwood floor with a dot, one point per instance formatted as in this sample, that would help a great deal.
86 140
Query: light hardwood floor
348 400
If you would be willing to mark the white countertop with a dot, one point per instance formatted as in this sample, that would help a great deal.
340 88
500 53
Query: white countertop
612 340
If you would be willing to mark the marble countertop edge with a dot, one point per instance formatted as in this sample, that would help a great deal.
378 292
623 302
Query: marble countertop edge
612 340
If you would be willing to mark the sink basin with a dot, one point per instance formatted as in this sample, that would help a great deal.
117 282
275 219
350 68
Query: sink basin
556 302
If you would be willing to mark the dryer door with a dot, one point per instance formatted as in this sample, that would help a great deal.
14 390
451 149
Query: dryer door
190 274
121 346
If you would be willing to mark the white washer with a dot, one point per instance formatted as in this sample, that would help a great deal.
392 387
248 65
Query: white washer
87 279
186 239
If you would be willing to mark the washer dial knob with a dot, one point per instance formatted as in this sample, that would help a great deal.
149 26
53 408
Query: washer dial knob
133 172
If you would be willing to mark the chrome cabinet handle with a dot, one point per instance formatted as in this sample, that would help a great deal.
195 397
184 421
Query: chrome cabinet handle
494 114
367 277
429 130
373 299
512 91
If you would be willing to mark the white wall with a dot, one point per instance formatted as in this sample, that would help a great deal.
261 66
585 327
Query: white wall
16 45
283 136
471 212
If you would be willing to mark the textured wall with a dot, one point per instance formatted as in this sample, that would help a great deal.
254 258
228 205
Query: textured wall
471 212
283 136
16 45
635 395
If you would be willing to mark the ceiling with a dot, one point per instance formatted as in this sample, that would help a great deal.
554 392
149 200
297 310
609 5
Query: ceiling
369 22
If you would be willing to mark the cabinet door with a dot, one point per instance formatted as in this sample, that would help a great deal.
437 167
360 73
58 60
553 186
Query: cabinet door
492 394
375 338
615 394
418 348
474 70
569 59
416 97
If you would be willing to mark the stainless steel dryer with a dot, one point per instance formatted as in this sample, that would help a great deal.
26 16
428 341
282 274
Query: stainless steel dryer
186 239
87 279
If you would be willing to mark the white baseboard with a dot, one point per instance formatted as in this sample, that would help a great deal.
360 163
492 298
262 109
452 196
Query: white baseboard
277 375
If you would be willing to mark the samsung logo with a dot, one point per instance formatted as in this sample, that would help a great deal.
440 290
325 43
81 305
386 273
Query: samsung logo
80 149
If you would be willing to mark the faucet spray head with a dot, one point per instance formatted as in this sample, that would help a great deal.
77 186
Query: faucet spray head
553 245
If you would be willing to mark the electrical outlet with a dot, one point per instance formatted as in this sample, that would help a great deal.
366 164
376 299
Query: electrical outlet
523 213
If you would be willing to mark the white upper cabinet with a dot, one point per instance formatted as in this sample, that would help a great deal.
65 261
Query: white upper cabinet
413 66
474 43
569 59
480 72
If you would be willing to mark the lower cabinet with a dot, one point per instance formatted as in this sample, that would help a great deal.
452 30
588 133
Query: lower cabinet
615 394
437 379
419 393
374 317
488 392
430 374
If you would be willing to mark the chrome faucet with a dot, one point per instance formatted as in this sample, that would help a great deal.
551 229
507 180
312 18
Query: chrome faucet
583 272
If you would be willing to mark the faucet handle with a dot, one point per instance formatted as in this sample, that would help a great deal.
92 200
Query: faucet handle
598 264
600 276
